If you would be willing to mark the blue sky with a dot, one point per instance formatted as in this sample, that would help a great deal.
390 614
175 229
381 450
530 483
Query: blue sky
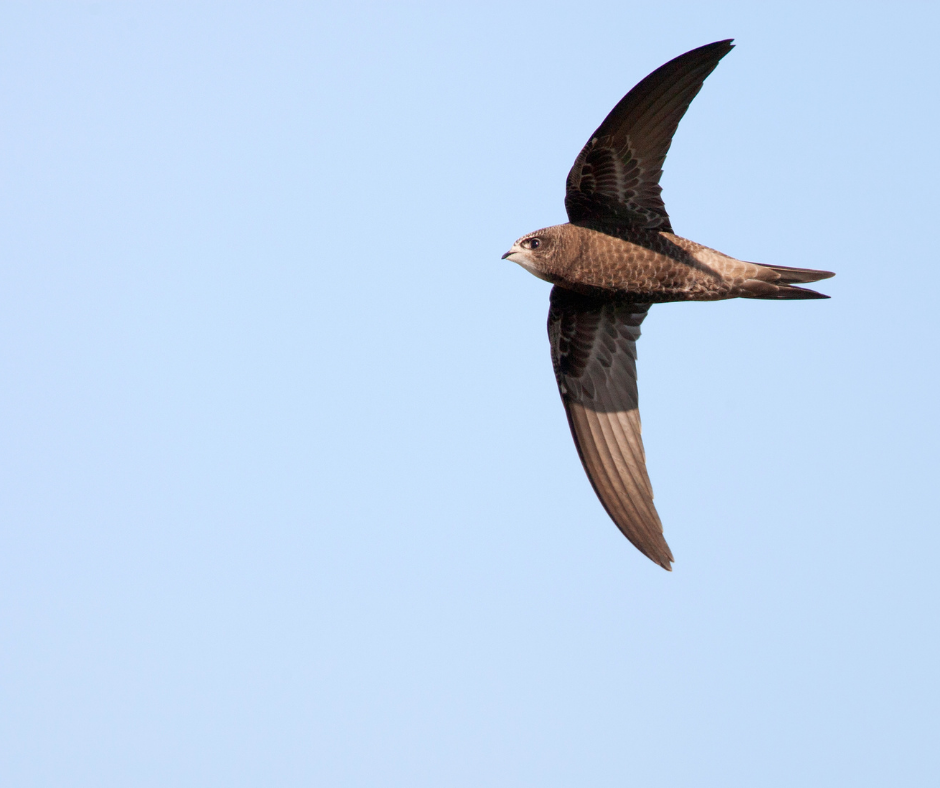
287 492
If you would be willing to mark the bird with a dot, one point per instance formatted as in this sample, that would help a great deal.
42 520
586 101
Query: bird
617 256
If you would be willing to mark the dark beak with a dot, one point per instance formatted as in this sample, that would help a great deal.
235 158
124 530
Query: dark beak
505 255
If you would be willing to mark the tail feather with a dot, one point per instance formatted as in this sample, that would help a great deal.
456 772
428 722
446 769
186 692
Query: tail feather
778 282
784 275
755 288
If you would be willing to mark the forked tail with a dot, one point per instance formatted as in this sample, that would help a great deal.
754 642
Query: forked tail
779 282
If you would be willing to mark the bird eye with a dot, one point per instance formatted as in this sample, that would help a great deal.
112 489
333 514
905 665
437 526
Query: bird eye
533 243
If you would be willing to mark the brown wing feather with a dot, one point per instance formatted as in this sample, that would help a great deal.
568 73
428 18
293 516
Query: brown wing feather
615 178
593 345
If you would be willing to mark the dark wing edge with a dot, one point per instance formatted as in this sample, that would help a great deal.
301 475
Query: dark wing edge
615 179
593 345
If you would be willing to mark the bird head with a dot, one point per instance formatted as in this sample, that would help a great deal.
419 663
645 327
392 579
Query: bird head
536 252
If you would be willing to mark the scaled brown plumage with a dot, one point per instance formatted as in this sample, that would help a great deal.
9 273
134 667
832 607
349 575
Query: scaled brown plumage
615 258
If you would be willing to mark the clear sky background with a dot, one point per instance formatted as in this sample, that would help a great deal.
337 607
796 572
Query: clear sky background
288 496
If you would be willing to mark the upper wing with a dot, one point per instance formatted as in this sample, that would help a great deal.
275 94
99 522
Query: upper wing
615 178
594 355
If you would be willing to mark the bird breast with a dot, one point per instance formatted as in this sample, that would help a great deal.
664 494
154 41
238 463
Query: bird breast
645 264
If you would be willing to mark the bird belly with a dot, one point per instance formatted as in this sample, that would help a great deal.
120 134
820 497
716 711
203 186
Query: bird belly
656 267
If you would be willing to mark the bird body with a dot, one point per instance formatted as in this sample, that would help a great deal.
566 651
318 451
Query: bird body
616 257
651 266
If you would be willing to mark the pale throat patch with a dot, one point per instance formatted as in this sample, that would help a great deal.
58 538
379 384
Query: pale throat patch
519 260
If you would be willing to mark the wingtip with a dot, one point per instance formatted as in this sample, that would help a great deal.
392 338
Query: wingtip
724 47
726 43
662 558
